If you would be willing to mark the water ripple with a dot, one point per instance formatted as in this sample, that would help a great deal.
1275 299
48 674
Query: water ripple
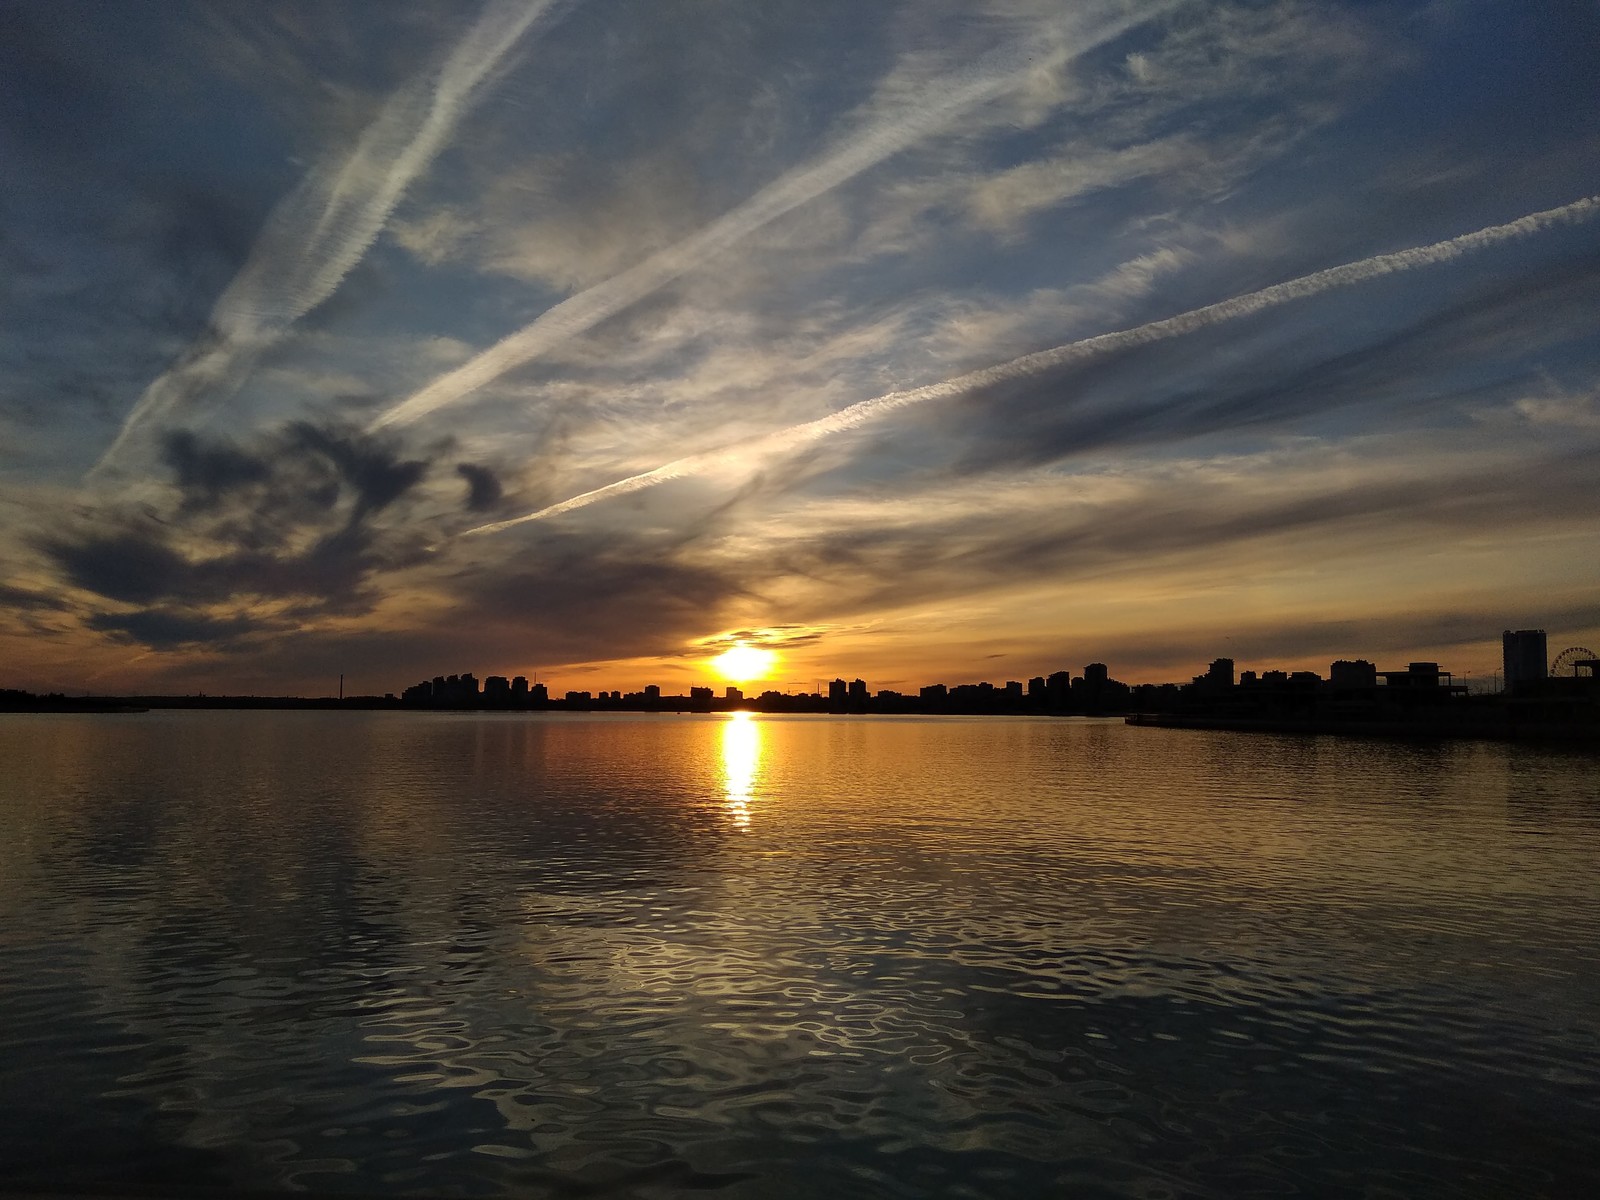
496 956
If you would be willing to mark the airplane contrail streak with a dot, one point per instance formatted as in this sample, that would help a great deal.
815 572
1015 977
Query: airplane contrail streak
928 110
795 436
321 230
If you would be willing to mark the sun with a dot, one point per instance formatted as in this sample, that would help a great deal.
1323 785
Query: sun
741 663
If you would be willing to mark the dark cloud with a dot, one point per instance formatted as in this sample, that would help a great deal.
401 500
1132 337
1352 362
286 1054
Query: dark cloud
483 486
206 471
163 630
367 464
585 598
293 518
314 520
21 600
134 565
1224 380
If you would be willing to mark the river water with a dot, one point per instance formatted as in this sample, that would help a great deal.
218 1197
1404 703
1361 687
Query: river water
553 955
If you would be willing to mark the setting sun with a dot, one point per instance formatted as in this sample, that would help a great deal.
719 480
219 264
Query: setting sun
741 663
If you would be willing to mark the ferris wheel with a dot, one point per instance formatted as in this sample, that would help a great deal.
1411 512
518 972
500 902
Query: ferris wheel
1566 663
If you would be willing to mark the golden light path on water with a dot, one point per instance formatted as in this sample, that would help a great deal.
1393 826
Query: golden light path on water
741 764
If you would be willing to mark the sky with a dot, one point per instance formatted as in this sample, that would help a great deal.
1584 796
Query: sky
940 340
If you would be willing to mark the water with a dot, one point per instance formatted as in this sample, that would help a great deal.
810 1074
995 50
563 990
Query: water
791 957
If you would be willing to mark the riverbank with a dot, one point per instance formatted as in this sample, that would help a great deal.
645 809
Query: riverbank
1563 724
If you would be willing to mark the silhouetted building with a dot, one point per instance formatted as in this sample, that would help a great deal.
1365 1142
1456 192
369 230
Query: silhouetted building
1058 685
935 693
497 690
1220 673
700 693
1526 658
858 691
652 691
733 695
1416 675
538 694
1350 675
1095 675
519 690
1036 688
837 691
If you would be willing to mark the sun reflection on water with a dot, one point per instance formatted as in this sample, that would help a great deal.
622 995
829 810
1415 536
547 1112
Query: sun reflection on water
741 764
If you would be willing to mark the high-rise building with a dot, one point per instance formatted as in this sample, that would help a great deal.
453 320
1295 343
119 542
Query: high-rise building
1059 686
1527 657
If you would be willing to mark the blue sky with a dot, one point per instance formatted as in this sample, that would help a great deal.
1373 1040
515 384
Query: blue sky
584 337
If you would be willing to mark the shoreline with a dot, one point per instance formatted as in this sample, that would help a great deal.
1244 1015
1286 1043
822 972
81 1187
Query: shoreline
1501 724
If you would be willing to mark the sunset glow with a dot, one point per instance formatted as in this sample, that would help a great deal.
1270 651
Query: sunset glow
919 341
741 663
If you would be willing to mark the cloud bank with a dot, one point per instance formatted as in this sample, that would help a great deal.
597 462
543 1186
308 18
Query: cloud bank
318 232
788 440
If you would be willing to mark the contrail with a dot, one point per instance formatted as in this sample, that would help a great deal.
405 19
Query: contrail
321 230
795 436
914 117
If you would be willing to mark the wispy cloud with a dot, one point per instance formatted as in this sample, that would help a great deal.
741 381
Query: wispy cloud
797 436
908 118
321 230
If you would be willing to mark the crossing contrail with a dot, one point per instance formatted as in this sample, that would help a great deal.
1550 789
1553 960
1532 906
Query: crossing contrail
919 115
795 436
321 229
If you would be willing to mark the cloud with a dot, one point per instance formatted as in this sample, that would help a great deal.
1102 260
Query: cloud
483 487
291 520
1465 352
22 599
1301 525
798 436
162 630
206 472
320 230
901 121
569 599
